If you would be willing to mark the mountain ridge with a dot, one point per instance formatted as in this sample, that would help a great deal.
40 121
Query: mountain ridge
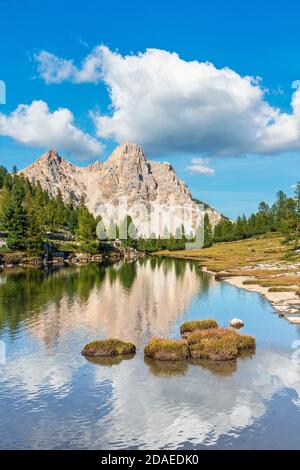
127 173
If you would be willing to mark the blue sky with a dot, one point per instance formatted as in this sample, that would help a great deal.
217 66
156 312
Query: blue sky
235 141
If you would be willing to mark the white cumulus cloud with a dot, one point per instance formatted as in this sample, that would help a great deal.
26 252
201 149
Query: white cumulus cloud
171 105
54 69
35 125
199 165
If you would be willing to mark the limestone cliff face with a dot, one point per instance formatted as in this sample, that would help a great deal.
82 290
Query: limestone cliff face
126 174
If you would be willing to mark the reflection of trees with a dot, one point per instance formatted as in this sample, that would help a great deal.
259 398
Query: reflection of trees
25 292
127 274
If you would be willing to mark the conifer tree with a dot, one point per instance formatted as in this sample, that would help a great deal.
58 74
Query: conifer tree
15 220
208 236
86 224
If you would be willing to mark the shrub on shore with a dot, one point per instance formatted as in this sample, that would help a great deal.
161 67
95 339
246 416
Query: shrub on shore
108 348
190 326
167 349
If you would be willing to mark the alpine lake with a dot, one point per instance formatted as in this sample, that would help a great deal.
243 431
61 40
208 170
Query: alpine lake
51 397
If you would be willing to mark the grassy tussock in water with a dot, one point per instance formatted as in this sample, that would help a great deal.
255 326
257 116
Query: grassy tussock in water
245 343
219 344
167 349
212 343
108 348
194 325
216 344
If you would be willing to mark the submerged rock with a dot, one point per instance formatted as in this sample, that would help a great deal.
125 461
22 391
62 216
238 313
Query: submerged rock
237 323
108 348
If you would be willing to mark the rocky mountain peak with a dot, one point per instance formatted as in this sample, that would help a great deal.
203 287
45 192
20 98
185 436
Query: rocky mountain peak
127 154
126 174
51 155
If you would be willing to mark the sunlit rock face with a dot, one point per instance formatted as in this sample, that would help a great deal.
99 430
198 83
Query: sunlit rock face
127 183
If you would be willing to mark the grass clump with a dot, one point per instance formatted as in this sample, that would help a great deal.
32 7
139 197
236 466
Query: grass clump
190 326
250 282
211 343
167 349
245 343
108 348
281 289
218 344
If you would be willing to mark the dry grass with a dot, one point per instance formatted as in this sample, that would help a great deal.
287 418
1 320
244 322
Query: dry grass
237 254
280 281
108 348
244 257
281 289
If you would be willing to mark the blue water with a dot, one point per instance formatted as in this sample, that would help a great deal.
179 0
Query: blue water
52 397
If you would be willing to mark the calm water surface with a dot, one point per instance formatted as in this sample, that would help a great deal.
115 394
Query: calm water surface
52 397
